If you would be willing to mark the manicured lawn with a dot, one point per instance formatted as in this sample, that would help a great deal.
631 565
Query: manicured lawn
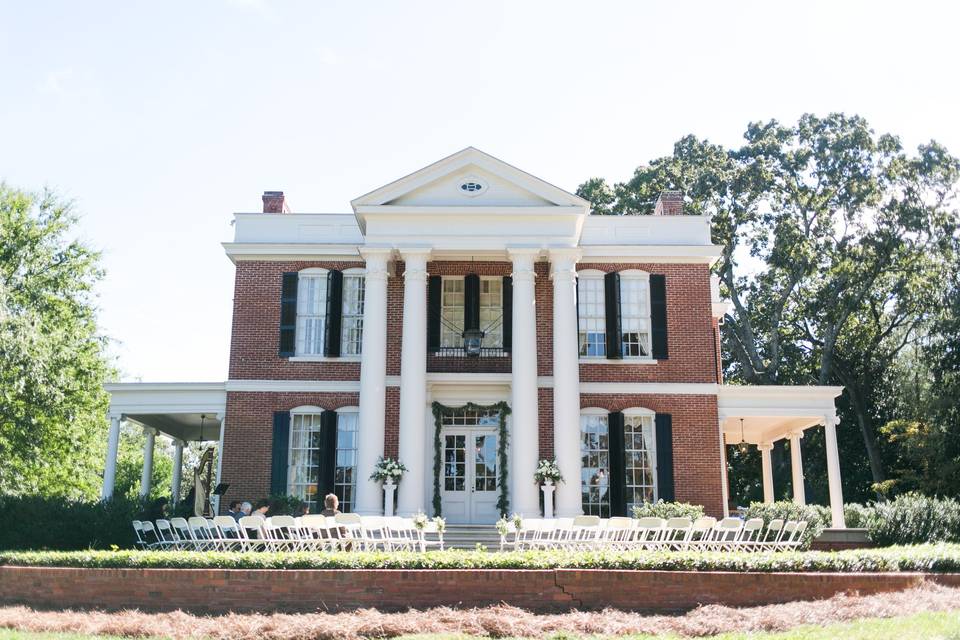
942 558
923 626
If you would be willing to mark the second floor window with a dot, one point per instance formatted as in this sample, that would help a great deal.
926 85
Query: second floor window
593 331
634 310
452 300
313 299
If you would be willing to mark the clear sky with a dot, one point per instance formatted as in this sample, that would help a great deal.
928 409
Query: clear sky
162 119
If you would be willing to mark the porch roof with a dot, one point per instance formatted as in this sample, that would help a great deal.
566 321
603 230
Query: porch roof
177 409
770 413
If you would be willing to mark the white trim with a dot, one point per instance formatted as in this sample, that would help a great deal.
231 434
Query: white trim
348 410
643 388
304 386
313 271
594 411
642 412
306 409
237 251
591 273
624 360
324 359
638 274
355 271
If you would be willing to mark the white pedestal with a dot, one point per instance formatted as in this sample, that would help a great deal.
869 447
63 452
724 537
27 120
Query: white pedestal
388 489
548 490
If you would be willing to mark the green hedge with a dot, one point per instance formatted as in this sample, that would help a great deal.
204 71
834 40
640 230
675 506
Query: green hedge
913 518
936 558
36 522
665 510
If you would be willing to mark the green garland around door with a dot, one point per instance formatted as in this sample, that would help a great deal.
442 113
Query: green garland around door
440 410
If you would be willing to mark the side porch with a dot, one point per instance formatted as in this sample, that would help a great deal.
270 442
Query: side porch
760 416
183 411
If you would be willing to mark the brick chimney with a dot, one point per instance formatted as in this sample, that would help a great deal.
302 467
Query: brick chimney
669 203
274 202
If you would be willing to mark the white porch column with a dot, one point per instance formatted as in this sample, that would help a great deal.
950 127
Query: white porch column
110 466
566 380
766 466
833 472
724 479
796 467
177 471
215 500
147 475
524 446
373 381
413 382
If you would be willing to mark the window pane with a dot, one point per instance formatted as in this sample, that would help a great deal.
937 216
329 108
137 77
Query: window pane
451 312
351 332
635 317
311 312
592 314
491 311
639 460
344 481
595 472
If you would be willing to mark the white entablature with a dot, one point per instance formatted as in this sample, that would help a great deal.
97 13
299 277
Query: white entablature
472 203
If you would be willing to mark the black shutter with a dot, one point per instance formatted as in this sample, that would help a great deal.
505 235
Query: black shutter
664 438
288 315
618 473
327 463
434 293
281 453
611 298
507 314
658 316
331 339
471 302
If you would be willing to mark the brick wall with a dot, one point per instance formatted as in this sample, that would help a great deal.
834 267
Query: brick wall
248 436
696 441
256 326
544 299
264 590
691 345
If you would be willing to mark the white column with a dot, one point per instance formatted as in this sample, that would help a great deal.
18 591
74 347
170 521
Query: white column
110 467
766 465
413 382
724 480
833 472
373 381
147 475
215 500
566 380
796 467
177 474
524 445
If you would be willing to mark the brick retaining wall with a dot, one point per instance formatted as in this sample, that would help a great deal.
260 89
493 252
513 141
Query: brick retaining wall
220 590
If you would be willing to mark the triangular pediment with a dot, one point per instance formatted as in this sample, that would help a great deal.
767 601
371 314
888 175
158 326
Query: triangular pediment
469 178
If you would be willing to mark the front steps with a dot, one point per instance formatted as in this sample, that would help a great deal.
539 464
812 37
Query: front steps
467 536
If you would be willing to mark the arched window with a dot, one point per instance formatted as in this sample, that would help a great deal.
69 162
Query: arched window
312 457
595 462
640 457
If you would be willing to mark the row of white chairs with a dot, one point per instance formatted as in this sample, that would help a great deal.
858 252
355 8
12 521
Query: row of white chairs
312 532
676 534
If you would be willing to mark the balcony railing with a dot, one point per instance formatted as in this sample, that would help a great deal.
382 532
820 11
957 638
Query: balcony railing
460 352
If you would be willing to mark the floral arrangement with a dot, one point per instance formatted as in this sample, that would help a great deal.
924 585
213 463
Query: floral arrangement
503 527
420 521
547 470
517 521
441 524
387 469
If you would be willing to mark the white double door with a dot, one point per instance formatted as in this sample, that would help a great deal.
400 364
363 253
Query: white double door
469 481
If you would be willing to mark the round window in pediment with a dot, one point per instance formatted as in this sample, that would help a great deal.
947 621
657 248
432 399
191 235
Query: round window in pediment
472 186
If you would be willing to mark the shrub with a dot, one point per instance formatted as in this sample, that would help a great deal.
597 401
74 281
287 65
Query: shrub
927 558
284 505
857 515
787 510
912 518
38 522
661 509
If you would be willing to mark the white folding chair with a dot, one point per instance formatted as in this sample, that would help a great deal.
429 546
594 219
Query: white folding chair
701 532
251 528
150 530
426 542
350 528
792 534
750 534
314 533
229 532
648 532
771 536
282 533
141 539
726 533
182 532
676 533
584 532
617 533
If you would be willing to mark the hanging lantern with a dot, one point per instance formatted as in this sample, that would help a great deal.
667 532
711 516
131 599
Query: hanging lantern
743 446
472 342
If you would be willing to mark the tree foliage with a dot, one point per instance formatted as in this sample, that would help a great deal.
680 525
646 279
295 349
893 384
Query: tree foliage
52 362
835 240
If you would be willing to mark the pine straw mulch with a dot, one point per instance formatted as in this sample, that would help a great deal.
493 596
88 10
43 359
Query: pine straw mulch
499 621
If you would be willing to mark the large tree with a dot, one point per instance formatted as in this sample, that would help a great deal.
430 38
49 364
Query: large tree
52 362
832 237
